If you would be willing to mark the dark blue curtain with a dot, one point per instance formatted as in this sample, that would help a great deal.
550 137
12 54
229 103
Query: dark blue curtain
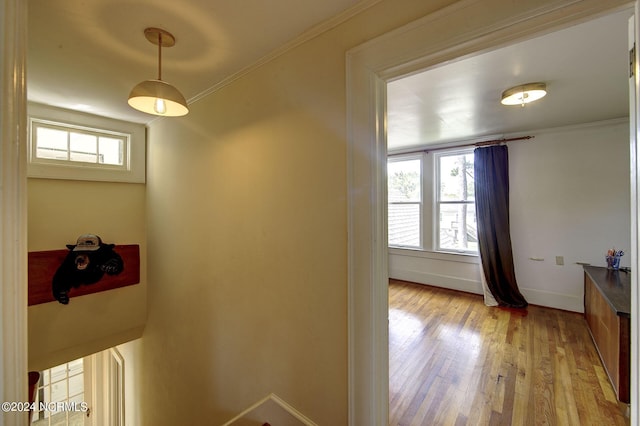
491 172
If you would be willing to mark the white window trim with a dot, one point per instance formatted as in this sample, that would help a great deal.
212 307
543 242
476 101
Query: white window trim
133 172
37 123
107 388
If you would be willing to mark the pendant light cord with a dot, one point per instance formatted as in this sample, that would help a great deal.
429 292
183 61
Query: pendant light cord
159 56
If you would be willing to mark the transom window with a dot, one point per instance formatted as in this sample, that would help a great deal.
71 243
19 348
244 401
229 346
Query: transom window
66 144
63 143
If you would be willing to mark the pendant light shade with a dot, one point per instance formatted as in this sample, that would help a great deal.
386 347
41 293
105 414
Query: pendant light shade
158 97
524 94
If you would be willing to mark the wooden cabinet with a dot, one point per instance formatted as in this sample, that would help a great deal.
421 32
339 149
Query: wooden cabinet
607 299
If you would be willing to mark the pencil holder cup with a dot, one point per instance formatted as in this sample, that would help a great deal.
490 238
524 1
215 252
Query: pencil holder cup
613 262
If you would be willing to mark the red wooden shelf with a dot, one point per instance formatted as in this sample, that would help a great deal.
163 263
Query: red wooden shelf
44 264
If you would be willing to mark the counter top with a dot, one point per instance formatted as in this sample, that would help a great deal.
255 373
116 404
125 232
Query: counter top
615 286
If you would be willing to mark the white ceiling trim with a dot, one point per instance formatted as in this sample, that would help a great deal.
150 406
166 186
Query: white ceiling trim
310 34
532 132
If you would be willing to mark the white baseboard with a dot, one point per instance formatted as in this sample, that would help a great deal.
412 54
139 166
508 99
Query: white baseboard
547 299
437 280
566 302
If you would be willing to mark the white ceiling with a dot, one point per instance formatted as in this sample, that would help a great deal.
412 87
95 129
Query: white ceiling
88 55
584 66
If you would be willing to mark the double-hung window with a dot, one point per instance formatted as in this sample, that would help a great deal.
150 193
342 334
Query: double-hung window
405 202
60 397
85 392
432 202
455 202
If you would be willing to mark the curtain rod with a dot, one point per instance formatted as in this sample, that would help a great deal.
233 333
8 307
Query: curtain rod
483 143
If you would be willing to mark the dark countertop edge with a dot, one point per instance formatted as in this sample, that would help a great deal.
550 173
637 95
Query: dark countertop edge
617 310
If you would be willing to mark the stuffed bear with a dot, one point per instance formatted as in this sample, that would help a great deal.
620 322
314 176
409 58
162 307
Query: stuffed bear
87 261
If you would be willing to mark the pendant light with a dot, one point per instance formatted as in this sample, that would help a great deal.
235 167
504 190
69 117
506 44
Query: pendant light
524 94
158 97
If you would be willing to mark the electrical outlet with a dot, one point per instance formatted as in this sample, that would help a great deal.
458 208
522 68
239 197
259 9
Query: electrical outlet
559 260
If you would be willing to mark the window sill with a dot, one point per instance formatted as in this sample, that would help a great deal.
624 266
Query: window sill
436 255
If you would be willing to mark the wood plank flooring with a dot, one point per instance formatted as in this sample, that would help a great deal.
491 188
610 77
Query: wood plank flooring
455 361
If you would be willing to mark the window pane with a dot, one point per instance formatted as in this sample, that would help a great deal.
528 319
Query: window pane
51 143
456 178
76 385
84 148
76 367
111 151
404 179
58 373
59 391
76 418
404 225
458 229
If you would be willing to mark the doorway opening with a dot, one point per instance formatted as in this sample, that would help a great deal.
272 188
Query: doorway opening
457 104
405 52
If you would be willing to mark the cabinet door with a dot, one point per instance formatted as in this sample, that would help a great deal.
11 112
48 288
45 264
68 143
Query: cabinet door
605 330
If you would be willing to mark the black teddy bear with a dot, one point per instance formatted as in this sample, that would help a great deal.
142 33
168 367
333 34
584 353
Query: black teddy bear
88 260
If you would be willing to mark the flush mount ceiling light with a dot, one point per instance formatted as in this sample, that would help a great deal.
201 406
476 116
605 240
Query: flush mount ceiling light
158 97
524 93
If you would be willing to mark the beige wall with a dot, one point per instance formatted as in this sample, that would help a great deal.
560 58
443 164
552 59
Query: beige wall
247 222
58 212
247 230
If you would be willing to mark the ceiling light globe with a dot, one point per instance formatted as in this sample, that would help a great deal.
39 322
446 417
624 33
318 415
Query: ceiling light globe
150 95
524 94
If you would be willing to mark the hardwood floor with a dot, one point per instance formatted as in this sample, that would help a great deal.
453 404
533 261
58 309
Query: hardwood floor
455 361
